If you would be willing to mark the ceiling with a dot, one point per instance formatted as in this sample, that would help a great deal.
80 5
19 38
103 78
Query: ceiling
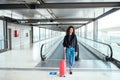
63 1
60 16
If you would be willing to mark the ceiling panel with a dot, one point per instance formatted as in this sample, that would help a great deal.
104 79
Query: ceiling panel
55 1
44 13
34 13
78 13
73 22
65 1
60 13
17 1
26 12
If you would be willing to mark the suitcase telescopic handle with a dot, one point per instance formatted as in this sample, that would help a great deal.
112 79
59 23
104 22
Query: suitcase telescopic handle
64 53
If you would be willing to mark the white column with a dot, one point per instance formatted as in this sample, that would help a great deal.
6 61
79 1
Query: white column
85 32
95 30
80 32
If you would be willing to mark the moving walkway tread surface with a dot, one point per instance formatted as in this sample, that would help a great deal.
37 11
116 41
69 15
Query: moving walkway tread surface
84 54
58 53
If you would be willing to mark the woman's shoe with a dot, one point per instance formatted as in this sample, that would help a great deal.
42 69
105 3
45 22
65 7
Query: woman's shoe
70 72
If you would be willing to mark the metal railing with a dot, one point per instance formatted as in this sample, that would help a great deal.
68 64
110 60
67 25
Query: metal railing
46 47
94 45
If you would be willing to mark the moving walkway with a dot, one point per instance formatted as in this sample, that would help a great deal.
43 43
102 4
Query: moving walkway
90 56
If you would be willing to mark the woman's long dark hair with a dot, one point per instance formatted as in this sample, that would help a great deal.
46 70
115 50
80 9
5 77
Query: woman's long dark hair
67 32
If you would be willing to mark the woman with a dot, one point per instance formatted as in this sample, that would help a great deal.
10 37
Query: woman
70 45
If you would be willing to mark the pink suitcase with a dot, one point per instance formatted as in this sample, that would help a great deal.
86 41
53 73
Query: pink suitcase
62 68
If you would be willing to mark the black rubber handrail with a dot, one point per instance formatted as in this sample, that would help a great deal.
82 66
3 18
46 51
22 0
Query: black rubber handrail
43 57
111 51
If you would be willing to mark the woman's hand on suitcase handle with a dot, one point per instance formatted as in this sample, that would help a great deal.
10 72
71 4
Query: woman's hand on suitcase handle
65 53
64 48
76 53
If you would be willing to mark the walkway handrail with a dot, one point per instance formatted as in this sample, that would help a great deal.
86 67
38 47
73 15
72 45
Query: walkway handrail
111 51
43 57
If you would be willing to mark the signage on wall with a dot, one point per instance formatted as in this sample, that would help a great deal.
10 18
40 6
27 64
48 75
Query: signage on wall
26 34
22 21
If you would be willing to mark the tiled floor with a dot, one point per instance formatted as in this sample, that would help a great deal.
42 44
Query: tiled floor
44 75
22 64
21 58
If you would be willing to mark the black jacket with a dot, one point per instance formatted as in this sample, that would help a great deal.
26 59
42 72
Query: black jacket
70 41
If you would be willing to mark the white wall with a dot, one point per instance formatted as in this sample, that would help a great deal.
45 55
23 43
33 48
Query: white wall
22 40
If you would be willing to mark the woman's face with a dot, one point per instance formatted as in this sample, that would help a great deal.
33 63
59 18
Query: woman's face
71 30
